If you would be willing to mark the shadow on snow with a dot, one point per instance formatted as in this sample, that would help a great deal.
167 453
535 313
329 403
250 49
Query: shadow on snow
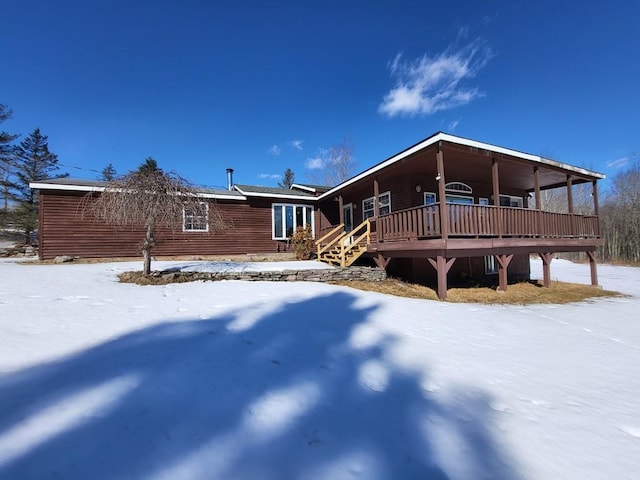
286 396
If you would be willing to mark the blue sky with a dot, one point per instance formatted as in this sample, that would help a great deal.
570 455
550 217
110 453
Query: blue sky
262 86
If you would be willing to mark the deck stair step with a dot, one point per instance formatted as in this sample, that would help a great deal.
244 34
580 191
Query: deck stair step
342 248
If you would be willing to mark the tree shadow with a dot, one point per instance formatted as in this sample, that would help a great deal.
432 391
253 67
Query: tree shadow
306 391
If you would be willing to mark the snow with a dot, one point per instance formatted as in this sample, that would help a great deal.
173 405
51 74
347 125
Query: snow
259 380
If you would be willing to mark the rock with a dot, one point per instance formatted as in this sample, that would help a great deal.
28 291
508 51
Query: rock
63 259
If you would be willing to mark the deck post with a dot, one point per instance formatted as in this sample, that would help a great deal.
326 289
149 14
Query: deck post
594 194
442 266
376 194
496 192
536 180
444 215
341 208
503 264
546 268
570 204
594 268
381 262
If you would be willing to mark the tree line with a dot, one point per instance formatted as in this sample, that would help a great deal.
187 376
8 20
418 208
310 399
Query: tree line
21 163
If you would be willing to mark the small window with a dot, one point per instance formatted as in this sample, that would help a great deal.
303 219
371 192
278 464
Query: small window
286 218
429 198
458 187
196 219
384 205
483 201
490 265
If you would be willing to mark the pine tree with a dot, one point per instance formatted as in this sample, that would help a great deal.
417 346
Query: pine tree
287 179
33 162
108 173
6 159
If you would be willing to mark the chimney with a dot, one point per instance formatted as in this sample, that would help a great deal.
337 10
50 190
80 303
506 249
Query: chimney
229 179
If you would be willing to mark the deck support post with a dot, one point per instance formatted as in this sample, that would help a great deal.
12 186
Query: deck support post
376 195
442 266
536 182
503 264
495 180
381 262
570 204
444 215
546 268
594 268
341 208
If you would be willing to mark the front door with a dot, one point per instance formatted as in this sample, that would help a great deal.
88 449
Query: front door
347 212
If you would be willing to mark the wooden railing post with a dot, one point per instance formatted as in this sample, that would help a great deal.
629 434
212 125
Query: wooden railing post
444 216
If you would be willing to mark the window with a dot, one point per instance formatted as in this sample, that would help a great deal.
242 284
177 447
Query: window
458 187
459 199
196 219
490 265
287 217
511 201
384 205
429 198
483 201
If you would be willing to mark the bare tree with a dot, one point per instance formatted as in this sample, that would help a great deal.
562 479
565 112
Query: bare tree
337 164
620 217
149 197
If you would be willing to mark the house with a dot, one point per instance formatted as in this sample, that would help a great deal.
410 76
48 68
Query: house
444 208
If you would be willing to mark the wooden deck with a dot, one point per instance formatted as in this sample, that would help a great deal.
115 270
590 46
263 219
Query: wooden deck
484 221
481 230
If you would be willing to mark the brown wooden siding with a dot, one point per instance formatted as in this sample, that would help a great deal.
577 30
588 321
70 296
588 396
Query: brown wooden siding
66 230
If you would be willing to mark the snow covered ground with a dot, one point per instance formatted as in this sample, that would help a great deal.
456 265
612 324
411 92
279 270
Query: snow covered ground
256 380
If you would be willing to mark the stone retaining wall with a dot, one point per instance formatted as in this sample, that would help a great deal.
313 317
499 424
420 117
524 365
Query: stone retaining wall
365 274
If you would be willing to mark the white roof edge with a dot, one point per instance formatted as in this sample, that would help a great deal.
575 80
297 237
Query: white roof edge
89 188
303 187
461 141
59 186
275 195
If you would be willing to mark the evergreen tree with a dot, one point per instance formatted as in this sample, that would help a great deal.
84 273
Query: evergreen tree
6 160
33 162
287 179
108 173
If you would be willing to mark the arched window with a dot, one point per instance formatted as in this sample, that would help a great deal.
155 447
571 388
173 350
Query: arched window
458 187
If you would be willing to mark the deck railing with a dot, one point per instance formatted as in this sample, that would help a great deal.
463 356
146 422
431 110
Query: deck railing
484 221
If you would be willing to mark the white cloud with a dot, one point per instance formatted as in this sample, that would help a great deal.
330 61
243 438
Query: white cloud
270 175
454 124
429 84
296 144
274 150
314 163
618 162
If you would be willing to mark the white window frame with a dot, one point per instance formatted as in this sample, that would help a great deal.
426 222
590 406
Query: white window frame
458 187
464 197
490 265
191 227
305 220
381 204
430 194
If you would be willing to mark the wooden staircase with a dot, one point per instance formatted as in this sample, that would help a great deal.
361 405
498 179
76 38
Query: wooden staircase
343 248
